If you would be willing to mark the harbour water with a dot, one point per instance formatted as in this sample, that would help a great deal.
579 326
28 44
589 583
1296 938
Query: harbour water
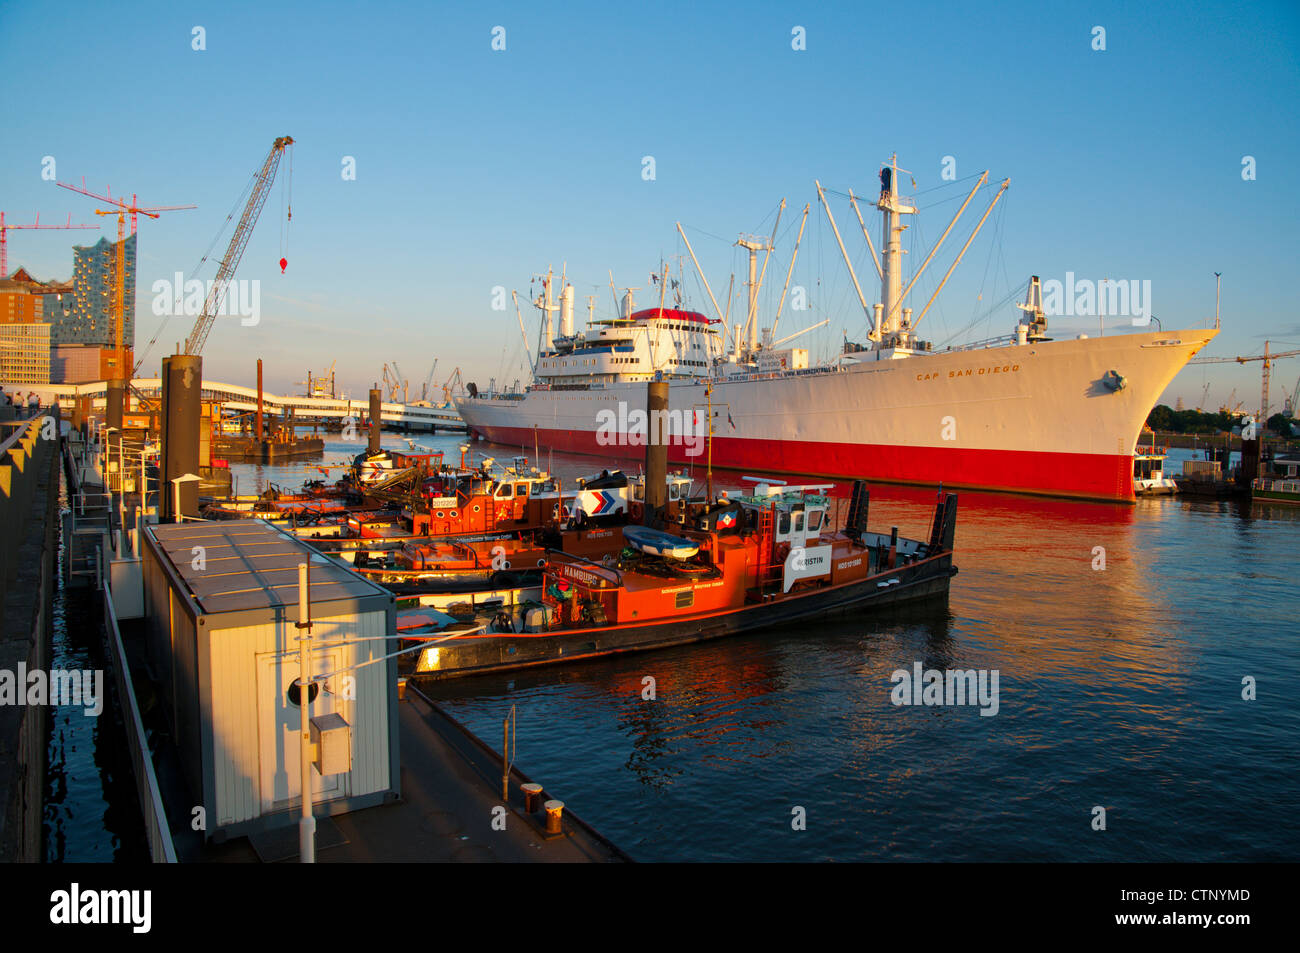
1123 638
91 811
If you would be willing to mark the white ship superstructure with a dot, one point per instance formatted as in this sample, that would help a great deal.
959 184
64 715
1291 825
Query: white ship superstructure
1022 413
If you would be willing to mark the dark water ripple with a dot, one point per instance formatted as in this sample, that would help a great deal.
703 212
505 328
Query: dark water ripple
1118 688
90 809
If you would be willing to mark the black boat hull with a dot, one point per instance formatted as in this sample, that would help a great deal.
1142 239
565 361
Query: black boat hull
928 578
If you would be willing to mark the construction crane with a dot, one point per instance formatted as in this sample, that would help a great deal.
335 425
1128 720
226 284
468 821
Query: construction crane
238 242
446 387
424 391
1268 360
5 229
1292 401
121 208
393 383
1204 395
402 377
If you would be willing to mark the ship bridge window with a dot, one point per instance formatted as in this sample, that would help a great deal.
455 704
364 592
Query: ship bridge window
521 489
503 491
814 520
783 527
798 523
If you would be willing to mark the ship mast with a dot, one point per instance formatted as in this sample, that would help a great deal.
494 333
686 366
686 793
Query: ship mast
546 304
891 325
892 209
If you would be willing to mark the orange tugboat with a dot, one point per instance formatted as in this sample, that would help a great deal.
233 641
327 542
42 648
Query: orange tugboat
749 563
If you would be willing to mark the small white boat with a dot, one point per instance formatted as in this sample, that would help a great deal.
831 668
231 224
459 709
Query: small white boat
657 543
1149 474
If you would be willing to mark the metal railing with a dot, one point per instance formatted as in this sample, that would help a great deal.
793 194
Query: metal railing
1003 340
1277 486
161 846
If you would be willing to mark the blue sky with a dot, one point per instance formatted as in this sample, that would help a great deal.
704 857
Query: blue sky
477 168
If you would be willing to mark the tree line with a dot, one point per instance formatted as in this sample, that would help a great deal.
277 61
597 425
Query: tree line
1164 419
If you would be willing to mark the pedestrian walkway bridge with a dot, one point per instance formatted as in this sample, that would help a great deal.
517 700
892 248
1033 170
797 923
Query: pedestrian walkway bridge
236 397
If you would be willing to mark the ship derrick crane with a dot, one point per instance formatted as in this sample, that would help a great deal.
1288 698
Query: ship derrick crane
890 324
238 242
744 337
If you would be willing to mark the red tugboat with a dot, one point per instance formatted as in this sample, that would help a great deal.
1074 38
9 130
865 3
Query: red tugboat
746 564
503 541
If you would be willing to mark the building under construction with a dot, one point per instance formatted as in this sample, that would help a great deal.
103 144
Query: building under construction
77 313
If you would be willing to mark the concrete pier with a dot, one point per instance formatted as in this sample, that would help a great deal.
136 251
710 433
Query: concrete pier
450 810
29 499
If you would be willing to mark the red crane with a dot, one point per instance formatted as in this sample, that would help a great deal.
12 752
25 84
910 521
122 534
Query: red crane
119 284
5 229
261 188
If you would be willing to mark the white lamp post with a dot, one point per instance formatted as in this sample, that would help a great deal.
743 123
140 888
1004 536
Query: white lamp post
307 824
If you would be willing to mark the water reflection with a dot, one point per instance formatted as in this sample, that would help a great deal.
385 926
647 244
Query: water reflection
1120 685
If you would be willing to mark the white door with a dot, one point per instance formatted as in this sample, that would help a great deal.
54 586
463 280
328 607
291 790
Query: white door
280 727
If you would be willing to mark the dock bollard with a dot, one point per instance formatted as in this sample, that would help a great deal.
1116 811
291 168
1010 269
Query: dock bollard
532 796
553 811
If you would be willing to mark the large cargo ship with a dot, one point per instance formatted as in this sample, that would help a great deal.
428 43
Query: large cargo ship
1023 413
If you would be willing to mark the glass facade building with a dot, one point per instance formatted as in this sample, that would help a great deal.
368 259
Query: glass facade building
84 314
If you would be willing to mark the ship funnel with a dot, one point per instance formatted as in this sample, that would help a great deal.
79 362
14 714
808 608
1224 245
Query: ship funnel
566 311
628 305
